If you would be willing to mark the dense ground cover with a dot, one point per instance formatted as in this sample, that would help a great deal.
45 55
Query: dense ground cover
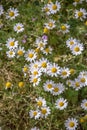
43 64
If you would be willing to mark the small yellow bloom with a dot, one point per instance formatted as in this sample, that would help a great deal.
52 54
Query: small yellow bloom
21 84
82 120
46 30
72 71
8 85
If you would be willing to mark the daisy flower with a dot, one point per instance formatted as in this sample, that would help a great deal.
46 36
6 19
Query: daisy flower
35 80
20 51
80 14
69 82
65 72
8 85
58 89
50 24
34 65
19 27
47 50
12 13
53 70
34 114
84 104
76 84
83 80
1 10
77 2
40 43
65 28
40 102
35 72
35 128
77 49
83 73
45 111
70 42
46 9
11 43
48 85
43 64
71 124
61 103
54 8
25 69
10 53
30 55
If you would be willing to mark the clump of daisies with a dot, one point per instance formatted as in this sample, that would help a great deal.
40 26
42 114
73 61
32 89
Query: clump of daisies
52 8
42 110
75 46
79 82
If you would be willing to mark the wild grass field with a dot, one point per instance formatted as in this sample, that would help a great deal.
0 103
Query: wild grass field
43 64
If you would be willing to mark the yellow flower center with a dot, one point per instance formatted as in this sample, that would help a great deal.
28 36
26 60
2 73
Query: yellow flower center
35 72
64 73
44 65
35 65
11 43
86 104
39 103
30 55
47 50
54 7
50 24
77 49
61 104
72 71
34 113
11 52
82 120
46 30
34 80
80 14
41 44
18 27
63 27
25 69
77 84
20 52
49 86
71 124
83 80
71 42
44 111
53 70
11 14
56 89
46 9
8 85
21 84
